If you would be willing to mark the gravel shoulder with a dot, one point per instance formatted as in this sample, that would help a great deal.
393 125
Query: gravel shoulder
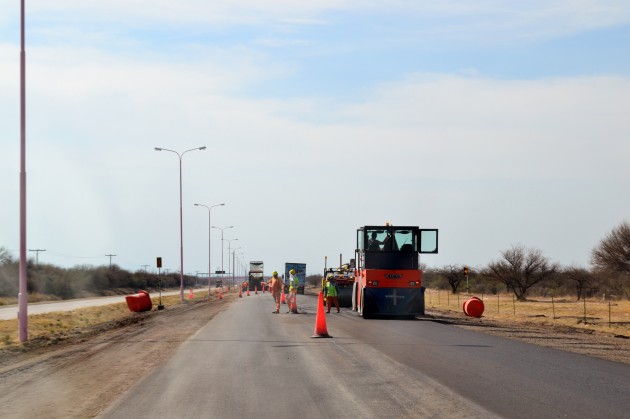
593 343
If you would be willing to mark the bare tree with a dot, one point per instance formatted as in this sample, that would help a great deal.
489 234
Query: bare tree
454 275
581 278
521 268
613 252
5 256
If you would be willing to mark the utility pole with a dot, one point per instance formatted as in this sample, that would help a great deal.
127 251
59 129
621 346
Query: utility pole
37 255
110 260
145 267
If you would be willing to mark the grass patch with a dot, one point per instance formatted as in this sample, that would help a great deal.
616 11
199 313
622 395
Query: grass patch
57 326
603 316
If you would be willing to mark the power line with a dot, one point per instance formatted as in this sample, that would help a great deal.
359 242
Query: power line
110 260
37 255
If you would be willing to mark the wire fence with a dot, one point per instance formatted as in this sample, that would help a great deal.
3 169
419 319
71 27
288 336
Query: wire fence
590 313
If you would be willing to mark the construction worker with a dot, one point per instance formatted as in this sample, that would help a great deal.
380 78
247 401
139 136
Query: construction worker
331 294
293 286
275 285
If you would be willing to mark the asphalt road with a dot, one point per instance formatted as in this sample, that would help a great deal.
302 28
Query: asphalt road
248 362
11 312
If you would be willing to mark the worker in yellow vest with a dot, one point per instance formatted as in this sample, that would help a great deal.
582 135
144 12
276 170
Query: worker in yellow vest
293 287
331 293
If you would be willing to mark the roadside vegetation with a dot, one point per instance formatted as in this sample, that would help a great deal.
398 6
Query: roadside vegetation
525 272
50 328
49 283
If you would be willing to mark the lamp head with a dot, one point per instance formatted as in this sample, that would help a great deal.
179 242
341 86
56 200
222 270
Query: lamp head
202 148
158 149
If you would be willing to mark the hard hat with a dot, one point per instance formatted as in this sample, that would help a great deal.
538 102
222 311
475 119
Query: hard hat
292 271
275 273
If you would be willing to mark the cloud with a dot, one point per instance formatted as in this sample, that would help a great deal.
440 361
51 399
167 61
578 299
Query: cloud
484 22
301 172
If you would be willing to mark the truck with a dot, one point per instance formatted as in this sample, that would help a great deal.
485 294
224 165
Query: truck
300 271
256 274
388 279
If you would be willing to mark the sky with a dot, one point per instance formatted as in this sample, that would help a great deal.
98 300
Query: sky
498 122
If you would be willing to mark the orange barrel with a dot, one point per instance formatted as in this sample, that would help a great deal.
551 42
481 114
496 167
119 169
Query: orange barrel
473 307
139 302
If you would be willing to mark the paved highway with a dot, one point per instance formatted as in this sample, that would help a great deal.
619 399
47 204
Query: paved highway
248 362
11 312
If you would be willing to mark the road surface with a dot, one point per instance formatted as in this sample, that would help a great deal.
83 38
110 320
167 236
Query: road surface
248 362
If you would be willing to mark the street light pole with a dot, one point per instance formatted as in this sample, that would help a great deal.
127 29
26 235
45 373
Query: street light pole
222 228
229 249
209 240
181 217
23 278
233 265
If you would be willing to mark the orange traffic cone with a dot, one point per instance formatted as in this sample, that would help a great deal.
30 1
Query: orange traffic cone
256 289
294 304
283 298
320 320
220 295
263 287
248 292
191 295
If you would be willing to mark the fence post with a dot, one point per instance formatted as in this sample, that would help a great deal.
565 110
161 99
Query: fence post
448 299
514 305
609 322
498 304
438 291
584 300
553 308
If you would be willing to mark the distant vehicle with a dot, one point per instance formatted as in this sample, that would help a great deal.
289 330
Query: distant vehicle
256 274
218 283
388 278
300 271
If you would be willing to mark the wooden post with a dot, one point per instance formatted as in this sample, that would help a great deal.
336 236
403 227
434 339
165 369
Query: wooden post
584 300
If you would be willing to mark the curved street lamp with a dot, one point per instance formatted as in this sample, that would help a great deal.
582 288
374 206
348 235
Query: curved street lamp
181 221
209 235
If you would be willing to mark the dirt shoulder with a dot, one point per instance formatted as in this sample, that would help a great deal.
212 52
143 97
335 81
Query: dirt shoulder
82 376
585 342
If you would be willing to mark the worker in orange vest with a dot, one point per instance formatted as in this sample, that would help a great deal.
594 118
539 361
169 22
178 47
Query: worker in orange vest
275 285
